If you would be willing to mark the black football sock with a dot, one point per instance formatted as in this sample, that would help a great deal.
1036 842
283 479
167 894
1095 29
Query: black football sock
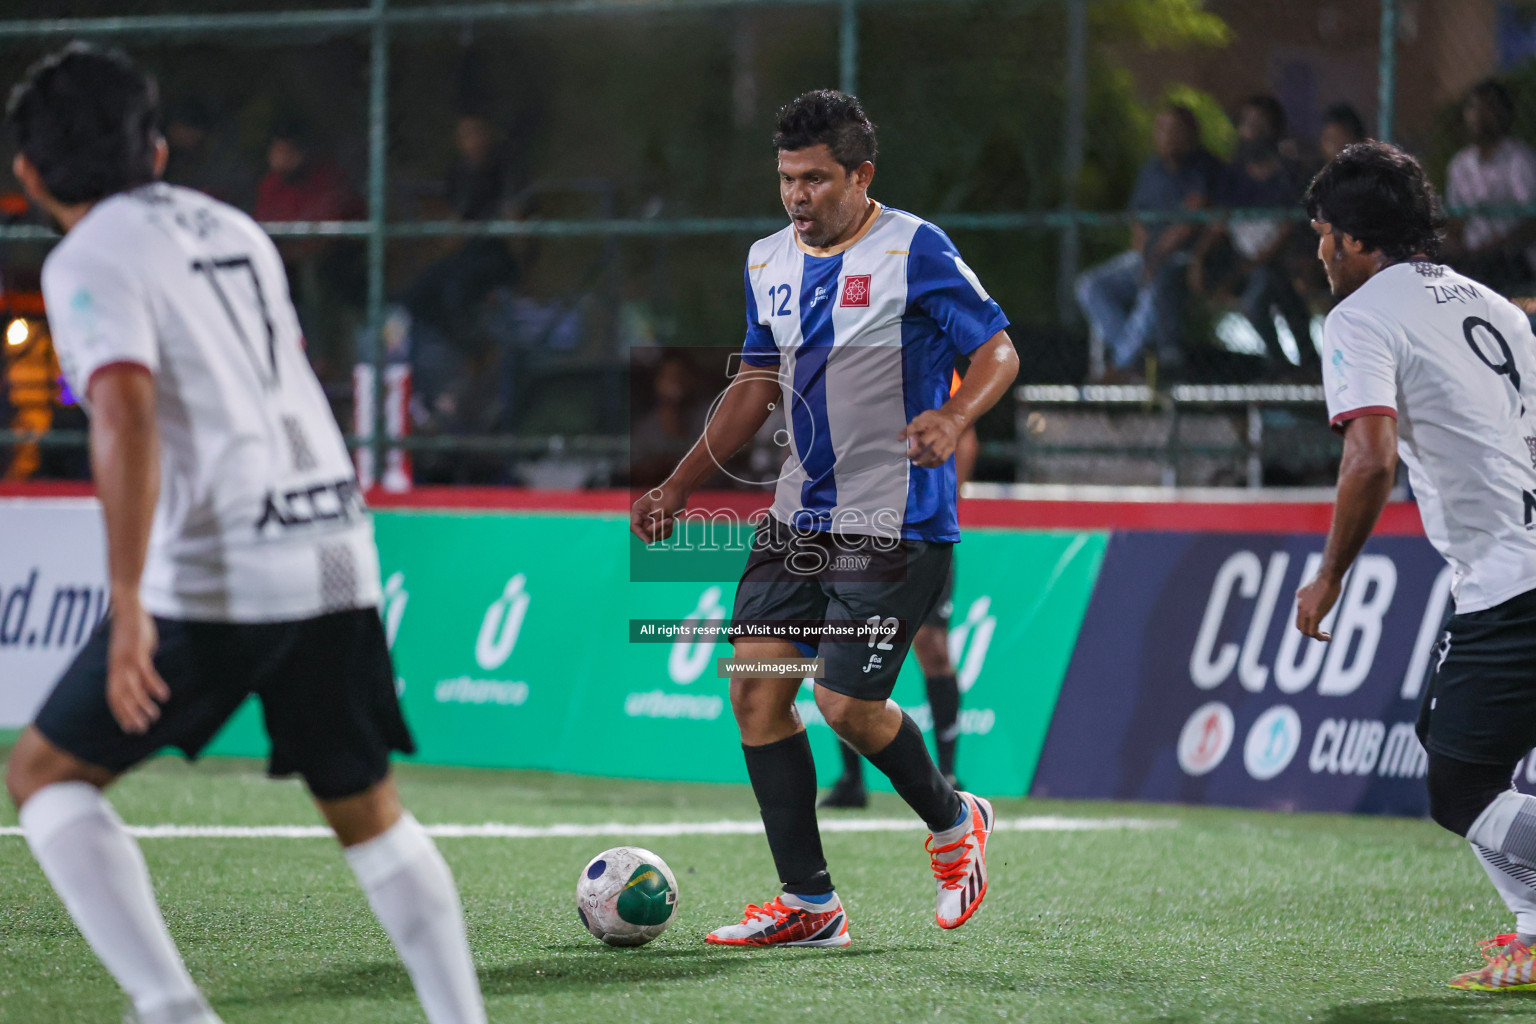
906 763
944 703
853 763
784 780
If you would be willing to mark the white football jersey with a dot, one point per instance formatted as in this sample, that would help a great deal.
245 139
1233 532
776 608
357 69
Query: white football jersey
259 517
1455 364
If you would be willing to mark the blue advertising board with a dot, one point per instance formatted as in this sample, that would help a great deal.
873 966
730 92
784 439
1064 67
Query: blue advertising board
1190 683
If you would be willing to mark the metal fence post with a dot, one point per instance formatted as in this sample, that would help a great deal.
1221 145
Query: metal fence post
1073 137
848 49
378 153
1386 84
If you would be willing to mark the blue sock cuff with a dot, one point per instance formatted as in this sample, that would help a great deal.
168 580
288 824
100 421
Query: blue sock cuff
818 899
965 812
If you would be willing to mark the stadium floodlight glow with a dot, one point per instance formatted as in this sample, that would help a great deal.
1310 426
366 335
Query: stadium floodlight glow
16 334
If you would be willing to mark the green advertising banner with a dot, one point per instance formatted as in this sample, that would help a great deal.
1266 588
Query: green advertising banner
511 641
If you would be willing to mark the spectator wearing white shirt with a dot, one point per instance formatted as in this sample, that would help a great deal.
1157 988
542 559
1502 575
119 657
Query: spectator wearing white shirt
1495 169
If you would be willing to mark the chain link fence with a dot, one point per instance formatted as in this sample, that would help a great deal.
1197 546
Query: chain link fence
493 214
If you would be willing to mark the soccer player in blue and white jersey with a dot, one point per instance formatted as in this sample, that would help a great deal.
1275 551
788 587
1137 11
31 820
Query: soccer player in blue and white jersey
856 314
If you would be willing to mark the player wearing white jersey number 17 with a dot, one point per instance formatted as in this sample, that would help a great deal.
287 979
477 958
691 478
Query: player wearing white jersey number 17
1423 365
240 556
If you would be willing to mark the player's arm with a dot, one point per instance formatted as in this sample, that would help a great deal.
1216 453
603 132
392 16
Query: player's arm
966 450
125 463
742 411
932 435
1366 475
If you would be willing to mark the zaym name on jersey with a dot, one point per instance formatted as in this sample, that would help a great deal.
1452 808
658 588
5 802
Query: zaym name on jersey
1247 586
329 502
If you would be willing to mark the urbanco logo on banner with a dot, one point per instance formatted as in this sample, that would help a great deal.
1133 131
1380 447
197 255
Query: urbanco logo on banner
968 642
502 624
392 606
688 658
500 628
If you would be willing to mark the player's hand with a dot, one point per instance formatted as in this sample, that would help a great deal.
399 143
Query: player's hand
135 690
653 516
931 437
1314 601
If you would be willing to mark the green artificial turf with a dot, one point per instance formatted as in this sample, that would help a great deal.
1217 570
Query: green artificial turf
1224 916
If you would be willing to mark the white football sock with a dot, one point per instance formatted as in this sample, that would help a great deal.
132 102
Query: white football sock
99 872
1514 882
957 831
412 894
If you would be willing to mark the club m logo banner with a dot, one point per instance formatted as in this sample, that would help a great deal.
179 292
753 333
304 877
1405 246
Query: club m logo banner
1189 681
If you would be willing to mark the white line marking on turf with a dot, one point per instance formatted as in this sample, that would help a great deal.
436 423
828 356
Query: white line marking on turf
1040 823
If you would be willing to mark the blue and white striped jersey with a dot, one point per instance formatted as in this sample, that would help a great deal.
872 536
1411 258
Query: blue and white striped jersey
865 339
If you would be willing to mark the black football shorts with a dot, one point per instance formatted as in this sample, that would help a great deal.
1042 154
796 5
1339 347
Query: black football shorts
796 576
326 685
1479 702
944 605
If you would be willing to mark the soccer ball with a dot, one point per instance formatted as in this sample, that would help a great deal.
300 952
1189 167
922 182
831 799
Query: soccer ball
626 896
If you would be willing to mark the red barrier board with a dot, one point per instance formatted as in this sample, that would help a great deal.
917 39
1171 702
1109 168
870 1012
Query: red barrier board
1401 519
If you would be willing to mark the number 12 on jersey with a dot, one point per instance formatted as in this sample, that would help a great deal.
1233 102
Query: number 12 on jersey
778 300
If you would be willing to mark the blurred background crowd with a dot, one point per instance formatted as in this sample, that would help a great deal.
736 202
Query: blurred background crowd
1136 213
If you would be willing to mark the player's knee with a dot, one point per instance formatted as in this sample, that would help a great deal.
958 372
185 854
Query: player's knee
17 785
931 650
26 771
35 763
361 816
1456 812
839 716
848 717
756 703
1459 792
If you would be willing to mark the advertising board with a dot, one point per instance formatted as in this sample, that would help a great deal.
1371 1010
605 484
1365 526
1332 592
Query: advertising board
1190 682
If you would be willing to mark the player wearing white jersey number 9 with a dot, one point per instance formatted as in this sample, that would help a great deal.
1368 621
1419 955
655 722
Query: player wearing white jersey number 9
1427 367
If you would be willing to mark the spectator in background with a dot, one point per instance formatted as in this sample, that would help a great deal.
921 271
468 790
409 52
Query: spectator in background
659 439
199 159
1134 301
448 300
1494 169
300 186
1342 126
326 277
1259 272
478 185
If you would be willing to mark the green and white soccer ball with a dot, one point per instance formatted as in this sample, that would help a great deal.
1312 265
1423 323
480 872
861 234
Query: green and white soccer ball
626 896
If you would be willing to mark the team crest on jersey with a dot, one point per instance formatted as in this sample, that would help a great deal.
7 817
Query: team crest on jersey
855 290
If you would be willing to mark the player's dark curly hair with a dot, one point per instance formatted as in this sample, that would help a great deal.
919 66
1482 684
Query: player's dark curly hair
830 117
86 118
1380 195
